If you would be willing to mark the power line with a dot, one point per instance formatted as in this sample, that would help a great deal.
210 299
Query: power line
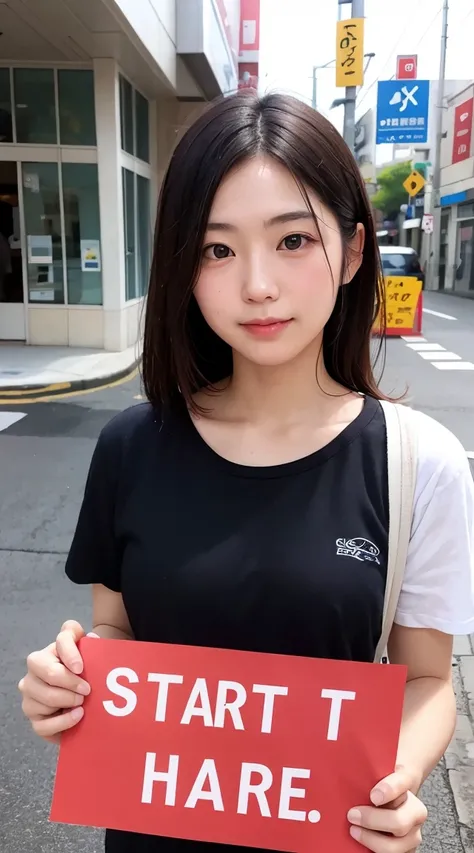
391 55
374 82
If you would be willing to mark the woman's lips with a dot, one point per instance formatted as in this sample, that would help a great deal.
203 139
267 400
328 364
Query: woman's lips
266 328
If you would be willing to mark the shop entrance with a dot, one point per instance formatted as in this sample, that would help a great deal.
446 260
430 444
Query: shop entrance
12 308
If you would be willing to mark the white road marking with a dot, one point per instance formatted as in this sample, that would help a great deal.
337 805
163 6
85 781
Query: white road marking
440 356
438 314
426 346
7 419
413 339
453 365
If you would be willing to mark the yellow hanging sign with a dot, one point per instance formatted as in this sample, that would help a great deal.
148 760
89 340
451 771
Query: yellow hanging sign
350 52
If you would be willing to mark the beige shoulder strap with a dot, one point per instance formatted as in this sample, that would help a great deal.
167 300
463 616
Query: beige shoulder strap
402 465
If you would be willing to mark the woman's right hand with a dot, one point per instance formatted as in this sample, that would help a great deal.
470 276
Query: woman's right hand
52 689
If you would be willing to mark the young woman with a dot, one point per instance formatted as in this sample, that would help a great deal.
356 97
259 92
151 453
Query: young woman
213 515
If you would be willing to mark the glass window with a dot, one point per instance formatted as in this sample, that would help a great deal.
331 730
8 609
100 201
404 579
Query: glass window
392 263
43 232
144 234
126 115
128 189
76 107
82 230
466 211
35 111
6 131
142 128
464 265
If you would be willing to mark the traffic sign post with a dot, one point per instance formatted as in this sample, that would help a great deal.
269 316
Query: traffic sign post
402 111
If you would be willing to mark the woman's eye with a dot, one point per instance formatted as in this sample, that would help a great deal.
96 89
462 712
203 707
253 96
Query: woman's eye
217 252
293 242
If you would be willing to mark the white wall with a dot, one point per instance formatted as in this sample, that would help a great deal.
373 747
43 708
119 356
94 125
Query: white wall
154 22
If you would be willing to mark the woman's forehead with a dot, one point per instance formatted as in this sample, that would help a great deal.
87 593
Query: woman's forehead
261 188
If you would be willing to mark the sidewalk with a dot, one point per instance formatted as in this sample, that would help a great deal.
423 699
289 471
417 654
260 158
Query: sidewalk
28 371
449 791
460 754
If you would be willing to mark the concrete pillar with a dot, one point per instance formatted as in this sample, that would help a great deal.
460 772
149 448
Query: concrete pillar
107 105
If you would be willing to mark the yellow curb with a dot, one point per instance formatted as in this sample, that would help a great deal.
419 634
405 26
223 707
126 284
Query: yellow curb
24 401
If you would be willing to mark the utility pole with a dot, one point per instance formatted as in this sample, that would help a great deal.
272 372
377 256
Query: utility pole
351 91
435 237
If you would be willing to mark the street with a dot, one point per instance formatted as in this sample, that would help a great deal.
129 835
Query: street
45 449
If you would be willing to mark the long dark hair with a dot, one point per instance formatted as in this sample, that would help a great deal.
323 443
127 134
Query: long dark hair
181 353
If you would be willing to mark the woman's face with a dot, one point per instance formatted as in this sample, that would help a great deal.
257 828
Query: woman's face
267 285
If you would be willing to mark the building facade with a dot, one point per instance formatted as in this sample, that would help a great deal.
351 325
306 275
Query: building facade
456 269
93 94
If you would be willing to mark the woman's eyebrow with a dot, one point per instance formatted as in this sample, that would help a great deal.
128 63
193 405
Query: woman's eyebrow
281 218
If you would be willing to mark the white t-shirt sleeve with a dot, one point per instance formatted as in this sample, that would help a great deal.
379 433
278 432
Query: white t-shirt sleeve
438 587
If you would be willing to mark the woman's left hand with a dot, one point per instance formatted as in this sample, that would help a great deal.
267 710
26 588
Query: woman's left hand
396 811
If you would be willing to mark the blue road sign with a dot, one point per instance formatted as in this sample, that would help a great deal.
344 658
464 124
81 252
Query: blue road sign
402 111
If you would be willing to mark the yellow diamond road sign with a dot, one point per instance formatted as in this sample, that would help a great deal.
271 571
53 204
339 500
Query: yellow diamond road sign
414 183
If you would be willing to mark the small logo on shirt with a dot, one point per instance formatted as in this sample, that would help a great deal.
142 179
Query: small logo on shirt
360 549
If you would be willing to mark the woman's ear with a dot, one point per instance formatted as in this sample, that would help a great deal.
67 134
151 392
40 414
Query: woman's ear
354 254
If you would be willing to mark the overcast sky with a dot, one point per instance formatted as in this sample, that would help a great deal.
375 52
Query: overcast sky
297 34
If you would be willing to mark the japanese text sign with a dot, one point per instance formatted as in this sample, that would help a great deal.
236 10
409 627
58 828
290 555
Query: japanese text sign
402 111
350 52
463 117
402 294
225 746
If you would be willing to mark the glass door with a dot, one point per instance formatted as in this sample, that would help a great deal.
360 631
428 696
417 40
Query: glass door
12 305
464 267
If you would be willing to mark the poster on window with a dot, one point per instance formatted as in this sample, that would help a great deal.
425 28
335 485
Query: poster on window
40 248
90 255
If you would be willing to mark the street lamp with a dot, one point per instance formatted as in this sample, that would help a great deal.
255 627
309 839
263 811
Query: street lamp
316 68
339 101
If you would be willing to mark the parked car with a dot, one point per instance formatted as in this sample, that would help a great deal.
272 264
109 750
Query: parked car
401 260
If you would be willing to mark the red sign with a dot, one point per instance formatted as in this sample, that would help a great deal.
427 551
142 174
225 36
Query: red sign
249 28
463 116
225 746
407 67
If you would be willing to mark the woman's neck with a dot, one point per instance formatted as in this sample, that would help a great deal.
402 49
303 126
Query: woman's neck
286 393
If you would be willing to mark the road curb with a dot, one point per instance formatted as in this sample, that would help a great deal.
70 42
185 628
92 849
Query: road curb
34 392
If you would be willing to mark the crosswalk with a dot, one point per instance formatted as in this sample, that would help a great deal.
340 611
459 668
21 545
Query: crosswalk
437 355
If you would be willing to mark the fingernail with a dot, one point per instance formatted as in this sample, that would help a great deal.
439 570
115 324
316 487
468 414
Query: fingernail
377 796
91 634
355 816
83 688
76 667
356 832
77 713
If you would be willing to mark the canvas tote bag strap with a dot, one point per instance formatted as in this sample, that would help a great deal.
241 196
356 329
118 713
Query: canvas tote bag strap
402 465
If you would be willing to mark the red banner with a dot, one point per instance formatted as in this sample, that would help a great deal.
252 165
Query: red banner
249 26
463 116
224 746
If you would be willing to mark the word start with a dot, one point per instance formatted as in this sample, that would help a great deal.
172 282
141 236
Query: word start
255 779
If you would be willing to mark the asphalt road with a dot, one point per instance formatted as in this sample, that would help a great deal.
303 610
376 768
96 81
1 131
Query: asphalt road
44 458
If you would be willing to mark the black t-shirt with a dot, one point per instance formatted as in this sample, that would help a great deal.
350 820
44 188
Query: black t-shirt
286 559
